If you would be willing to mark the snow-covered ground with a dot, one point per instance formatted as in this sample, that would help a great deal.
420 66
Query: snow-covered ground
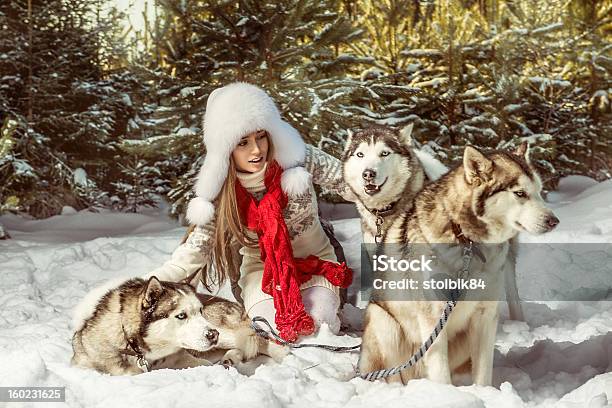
561 356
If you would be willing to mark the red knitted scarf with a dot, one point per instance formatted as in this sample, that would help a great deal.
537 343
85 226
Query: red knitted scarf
283 274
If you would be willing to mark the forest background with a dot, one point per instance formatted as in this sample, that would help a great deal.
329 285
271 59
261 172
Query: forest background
99 112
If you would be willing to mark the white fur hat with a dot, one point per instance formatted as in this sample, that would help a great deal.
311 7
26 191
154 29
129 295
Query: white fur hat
232 112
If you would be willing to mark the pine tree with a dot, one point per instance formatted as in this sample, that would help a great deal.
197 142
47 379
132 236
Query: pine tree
490 74
138 186
587 147
70 113
281 46
87 121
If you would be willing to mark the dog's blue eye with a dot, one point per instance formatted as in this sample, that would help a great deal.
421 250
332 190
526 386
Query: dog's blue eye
181 316
520 194
359 154
384 154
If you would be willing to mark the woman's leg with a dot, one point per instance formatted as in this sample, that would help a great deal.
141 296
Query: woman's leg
319 302
322 304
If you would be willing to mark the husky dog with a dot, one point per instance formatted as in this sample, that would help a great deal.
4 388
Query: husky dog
385 173
153 324
488 199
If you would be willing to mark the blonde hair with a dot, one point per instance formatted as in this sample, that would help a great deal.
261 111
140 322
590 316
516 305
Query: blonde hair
229 229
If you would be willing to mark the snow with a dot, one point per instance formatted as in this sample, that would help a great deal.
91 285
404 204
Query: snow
68 210
601 99
435 82
533 139
189 91
546 82
420 53
561 356
3 234
242 21
21 167
413 67
80 177
127 100
548 28
391 121
186 132
513 108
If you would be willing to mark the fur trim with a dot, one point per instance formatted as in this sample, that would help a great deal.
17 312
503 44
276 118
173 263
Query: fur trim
295 181
211 176
200 211
231 113
289 148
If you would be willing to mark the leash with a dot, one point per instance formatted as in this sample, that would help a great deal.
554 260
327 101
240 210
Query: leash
387 372
270 334
372 375
467 253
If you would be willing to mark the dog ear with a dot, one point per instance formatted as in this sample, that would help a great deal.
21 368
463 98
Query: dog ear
523 151
152 292
406 134
347 144
477 166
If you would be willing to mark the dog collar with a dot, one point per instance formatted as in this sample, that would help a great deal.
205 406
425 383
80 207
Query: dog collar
466 242
135 351
380 215
385 211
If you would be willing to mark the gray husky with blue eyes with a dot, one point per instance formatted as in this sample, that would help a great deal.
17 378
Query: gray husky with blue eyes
142 325
385 173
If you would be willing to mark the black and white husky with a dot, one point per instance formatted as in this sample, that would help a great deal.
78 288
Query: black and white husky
151 324
385 173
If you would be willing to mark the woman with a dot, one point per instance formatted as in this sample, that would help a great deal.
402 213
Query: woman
255 188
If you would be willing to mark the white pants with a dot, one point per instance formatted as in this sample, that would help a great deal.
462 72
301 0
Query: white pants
319 302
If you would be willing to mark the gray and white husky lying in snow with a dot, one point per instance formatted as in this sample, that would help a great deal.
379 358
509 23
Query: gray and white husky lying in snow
141 325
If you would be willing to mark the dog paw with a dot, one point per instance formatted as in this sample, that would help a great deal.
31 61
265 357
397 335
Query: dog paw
232 357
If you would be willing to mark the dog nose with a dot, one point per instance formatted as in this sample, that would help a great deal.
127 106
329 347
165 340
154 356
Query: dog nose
212 336
552 222
368 174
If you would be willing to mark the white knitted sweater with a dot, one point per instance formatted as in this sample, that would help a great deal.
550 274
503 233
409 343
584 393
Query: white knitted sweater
301 216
